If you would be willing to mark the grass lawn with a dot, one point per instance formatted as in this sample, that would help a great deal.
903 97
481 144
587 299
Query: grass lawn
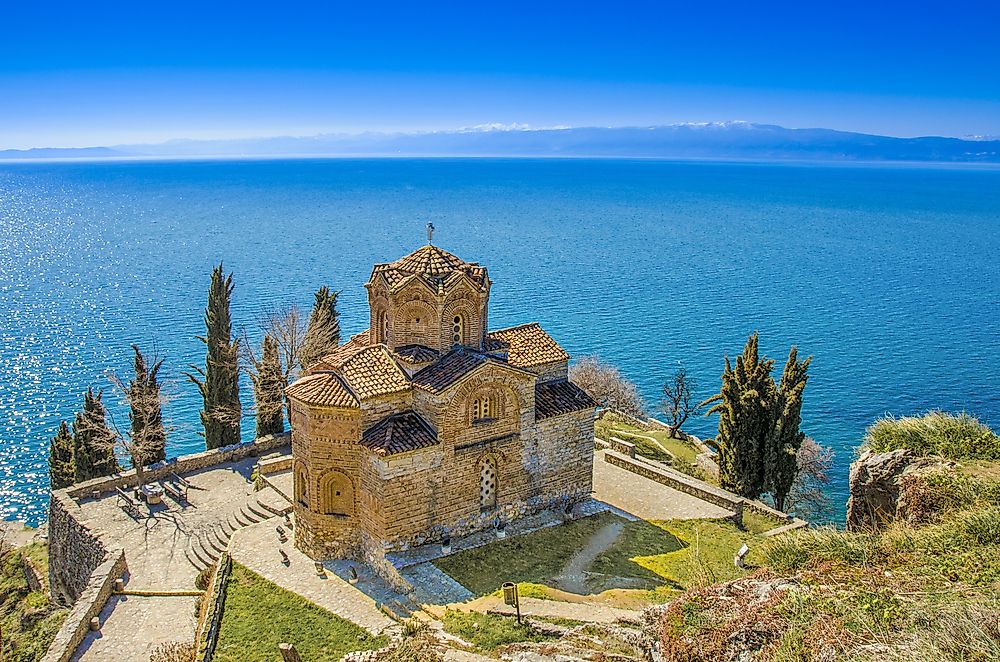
758 523
663 557
29 621
682 450
259 615
535 557
489 631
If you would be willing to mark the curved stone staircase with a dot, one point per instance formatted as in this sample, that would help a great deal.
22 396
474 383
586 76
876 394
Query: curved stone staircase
205 547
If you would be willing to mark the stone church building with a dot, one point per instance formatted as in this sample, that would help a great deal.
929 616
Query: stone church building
428 425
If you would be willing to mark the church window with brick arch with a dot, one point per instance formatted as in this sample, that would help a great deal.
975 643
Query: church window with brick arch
487 485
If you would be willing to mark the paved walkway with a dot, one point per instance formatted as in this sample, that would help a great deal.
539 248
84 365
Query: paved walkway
434 586
256 547
645 498
131 626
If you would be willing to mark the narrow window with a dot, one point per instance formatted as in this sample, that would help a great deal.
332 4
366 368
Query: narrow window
457 330
487 485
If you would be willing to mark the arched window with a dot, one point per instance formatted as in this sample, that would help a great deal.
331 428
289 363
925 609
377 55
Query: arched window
301 486
382 327
336 494
484 408
458 330
487 485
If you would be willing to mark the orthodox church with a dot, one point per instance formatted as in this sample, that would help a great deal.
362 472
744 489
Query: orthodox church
428 425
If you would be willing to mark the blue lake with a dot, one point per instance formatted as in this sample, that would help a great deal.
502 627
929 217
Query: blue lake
888 276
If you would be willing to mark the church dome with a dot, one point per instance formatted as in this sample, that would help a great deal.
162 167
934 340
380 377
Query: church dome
435 265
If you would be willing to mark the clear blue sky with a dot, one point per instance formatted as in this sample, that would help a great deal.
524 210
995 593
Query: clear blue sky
93 73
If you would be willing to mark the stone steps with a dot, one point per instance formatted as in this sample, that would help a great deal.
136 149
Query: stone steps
205 548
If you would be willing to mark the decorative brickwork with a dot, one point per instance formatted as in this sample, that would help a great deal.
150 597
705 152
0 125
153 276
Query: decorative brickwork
426 427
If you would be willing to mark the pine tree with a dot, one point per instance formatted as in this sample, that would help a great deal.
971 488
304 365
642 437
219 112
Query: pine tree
93 441
219 381
323 330
786 438
62 472
269 389
148 437
745 406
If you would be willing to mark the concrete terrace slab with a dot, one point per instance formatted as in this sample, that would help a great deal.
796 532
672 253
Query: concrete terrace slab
256 547
645 498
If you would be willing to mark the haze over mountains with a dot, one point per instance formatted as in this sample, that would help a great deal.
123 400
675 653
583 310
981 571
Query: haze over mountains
712 140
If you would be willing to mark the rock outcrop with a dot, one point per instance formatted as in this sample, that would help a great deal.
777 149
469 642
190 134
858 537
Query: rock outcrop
877 486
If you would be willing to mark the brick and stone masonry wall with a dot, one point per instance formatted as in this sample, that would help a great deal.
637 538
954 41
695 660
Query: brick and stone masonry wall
89 604
74 550
183 464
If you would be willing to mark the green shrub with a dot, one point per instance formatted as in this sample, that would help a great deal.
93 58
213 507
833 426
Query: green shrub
958 437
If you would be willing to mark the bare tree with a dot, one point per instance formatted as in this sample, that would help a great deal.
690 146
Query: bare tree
808 497
288 328
677 404
607 386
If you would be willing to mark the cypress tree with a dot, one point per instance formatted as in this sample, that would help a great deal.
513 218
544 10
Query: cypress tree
323 329
93 441
149 438
62 472
786 438
219 382
269 389
745 405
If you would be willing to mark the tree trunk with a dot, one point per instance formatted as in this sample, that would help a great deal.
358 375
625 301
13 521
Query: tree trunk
779 502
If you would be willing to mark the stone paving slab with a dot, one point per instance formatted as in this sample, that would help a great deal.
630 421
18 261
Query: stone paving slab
256 547
132 626
645 498
434 586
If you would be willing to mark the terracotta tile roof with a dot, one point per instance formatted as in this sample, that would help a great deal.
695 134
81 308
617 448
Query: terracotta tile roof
324 389
399 433
334 360
372 371
435 265
416 353
556 398
449 369
526 345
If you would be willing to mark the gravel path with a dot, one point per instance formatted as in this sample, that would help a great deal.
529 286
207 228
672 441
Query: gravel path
573 578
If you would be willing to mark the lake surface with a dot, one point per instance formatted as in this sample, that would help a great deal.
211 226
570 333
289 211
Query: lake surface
888 276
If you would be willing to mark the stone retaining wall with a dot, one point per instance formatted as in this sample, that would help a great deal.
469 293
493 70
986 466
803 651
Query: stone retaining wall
183 464
681 482
74 550
89 604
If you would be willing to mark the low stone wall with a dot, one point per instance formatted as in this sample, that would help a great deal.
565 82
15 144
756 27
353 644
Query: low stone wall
183 464
275 465
74 550
621 446
208 629
681 482
90 603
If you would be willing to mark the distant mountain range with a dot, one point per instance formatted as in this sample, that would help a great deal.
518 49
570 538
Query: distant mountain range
713 140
